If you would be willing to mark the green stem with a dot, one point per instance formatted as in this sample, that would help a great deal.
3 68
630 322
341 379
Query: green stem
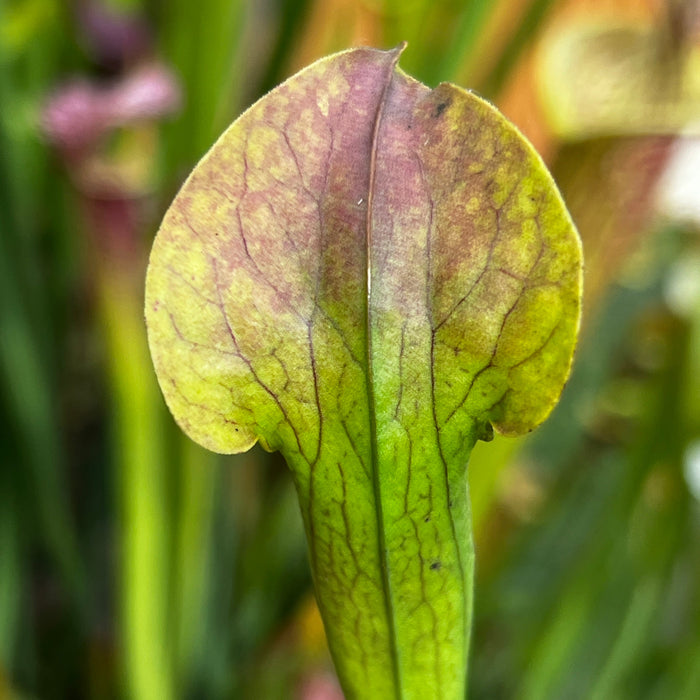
142 471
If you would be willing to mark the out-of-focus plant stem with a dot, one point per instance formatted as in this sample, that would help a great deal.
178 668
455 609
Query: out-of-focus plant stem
140 472
10 580
474 18
201 42
199 475
27 385
533 18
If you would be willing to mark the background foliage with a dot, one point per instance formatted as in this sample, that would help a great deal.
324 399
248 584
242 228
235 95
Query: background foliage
132 563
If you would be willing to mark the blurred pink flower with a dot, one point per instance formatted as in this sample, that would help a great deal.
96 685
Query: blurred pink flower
81 112
74 117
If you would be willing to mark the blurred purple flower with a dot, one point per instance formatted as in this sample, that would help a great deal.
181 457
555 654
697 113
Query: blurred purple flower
113 38
112 182
81 112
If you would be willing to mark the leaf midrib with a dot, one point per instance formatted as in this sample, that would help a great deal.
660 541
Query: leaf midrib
369 379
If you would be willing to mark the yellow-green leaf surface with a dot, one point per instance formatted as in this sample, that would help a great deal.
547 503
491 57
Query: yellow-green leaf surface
367 275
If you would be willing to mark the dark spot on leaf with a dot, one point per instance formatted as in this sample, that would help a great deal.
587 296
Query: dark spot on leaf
436 566
427 519
440 109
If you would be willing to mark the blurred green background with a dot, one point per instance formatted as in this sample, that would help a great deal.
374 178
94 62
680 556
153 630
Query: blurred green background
135 565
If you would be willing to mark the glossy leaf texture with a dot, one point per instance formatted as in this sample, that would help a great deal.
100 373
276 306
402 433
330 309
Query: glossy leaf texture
367 274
